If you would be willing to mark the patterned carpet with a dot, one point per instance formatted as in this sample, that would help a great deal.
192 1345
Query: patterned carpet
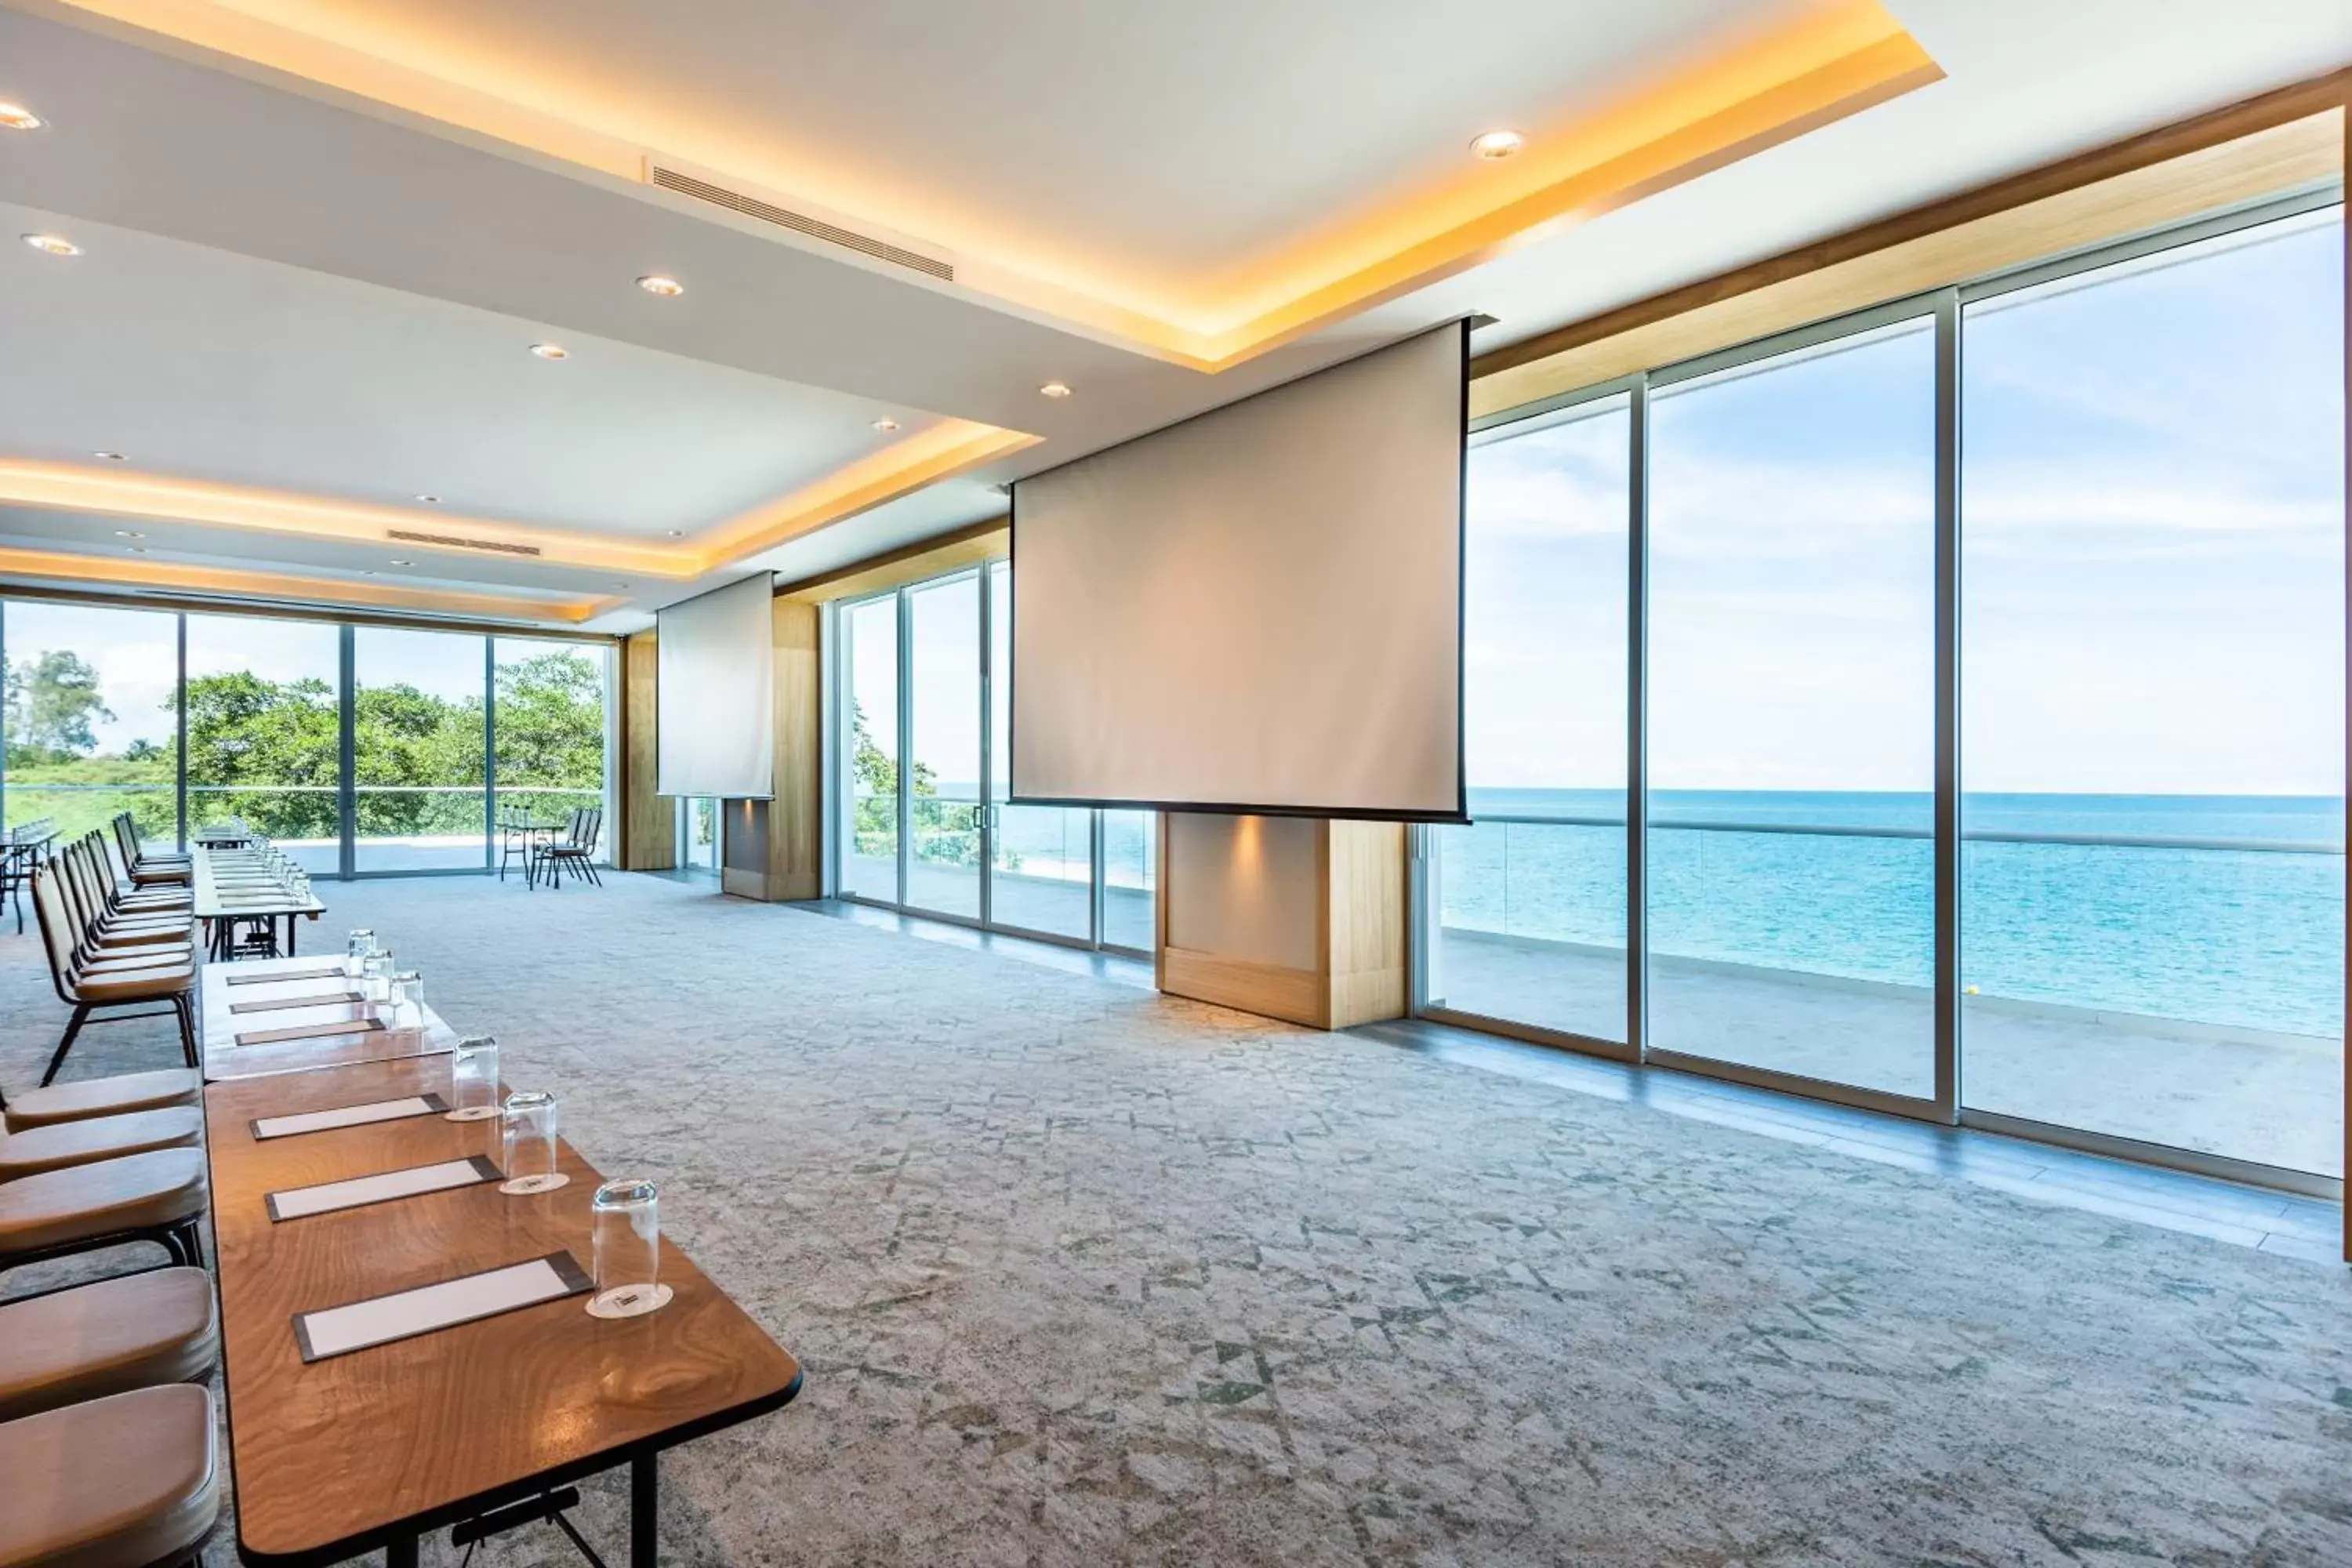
1082 1275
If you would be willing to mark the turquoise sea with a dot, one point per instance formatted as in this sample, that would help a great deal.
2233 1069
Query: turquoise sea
2090 900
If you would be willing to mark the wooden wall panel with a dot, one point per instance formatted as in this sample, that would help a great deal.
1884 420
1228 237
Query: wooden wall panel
1368 952
796 817
648 838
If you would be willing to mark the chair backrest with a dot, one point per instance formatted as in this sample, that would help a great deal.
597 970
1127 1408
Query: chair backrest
580 834
57 940
126 838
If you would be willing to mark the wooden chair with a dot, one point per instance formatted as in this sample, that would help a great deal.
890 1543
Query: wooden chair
127 1482
93 979
576 849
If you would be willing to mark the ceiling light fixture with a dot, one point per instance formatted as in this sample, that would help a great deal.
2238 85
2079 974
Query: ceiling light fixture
430 501
138 550
404 563
53 245
108 457
667 288
1497 144
886 425
128 533
17 117
550 351
677 533
1053 389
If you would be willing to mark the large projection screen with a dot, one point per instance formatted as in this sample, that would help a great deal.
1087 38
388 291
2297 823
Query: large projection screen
714 699
1259 610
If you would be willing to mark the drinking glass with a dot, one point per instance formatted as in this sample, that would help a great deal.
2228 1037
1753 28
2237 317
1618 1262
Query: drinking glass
474 1079
408 1000
529 1140
628 1250
376 976
356 948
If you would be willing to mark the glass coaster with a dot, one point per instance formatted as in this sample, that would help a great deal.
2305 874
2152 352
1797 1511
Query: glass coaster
522 1186
472 1113
629 1302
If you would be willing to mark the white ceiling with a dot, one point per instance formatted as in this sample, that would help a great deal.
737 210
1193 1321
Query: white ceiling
207 364
285 289
1167 146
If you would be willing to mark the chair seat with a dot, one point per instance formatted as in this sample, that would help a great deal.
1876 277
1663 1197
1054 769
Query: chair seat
143 873
134 1330
120 1482
138 1192
134 985
70 1143
115 1096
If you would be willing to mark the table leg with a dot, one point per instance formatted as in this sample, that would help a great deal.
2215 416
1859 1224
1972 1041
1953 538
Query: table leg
400 1552
645 1508
291 921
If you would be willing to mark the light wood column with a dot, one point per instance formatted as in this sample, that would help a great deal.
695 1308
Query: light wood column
1297 918
649 837
796 816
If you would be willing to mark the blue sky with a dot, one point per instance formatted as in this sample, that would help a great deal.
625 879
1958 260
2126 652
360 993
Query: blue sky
2153 579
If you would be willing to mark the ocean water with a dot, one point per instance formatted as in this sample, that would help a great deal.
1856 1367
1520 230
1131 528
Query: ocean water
2241 936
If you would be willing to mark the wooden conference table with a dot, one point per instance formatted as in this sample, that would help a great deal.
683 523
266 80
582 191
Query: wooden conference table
233 885
241 1004
371 1449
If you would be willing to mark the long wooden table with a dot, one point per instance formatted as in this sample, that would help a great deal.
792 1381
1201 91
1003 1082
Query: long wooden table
220 1025
227 888
369 1450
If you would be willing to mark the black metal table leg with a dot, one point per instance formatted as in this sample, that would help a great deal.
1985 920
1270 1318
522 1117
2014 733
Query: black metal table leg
645 1508
400 1552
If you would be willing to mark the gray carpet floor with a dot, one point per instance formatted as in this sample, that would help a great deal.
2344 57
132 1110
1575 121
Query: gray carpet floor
1082 1275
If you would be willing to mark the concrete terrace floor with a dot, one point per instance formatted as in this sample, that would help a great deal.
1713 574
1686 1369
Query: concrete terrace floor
2273 1099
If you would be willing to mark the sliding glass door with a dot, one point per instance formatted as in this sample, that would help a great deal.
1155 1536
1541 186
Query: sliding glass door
265 731
419 740
91 729
2154 641
924 672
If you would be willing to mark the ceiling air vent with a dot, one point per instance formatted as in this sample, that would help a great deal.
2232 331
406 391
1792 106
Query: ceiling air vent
451 542
670 177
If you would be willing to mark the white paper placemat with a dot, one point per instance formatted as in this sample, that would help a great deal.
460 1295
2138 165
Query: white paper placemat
300 1203
308 999
468 1299
265 1127
320 973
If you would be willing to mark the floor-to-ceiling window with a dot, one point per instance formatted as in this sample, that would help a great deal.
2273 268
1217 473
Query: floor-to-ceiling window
549 733
924 673
92 726
1792 712
418 738
2152 637
1984 665
1531 895
185 720
265 731
868 788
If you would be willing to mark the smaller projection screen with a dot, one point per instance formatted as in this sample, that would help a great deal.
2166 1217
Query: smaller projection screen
1259 610
714 703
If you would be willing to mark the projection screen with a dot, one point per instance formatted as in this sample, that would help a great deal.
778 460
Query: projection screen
714 703
1259 610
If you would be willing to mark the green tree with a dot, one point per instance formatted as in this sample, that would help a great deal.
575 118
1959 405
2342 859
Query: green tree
53 699
251 735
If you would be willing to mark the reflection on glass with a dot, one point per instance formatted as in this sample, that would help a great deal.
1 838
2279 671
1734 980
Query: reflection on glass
869 849
943 779
1791 746
91 729
417 757
265 732
1131 875
1043 877
551 730
2153 741
1531 901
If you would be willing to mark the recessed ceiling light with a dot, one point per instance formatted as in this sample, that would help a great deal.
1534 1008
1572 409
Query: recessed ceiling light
53 244
128 533
108 457
430 501
1053 389
667 288
677 533
886 425
138 550
17 117
403 563
550 351
1497 144
620 584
